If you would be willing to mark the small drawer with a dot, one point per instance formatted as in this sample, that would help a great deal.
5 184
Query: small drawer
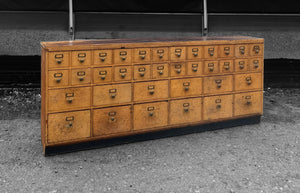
178 69
81 76
141 55
226 51
210 52
59 59
211 67
111 120
111 94
242 50
160 71
194 52
102 57
185 110
63 127
256 64
122 73
241 65
151 90
102 75
177 53
81 58
256 50
217 107
194 68
226 66
248 103
218 84
122 56
186 87
142 72
150 115
69 99
160 54
248 81
58 78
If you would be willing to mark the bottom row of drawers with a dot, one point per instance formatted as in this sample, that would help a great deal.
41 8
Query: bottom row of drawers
77 125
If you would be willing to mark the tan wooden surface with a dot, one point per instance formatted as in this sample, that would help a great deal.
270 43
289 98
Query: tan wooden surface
186 87
248 103
217 107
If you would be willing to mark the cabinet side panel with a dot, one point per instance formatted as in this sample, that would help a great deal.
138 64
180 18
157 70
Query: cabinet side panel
43 98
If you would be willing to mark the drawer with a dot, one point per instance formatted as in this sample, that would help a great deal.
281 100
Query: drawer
111 94
102 57
226 66
151 90
194 52
63 127
69 99
185 110
142 72
81 76
217 107
122 56
160 71
194 68
248 81
81 58
102 75
160 54
211 67
177 69
210 52
141 55
58 78
59 59
256 64
256 50
177 53
186 87
241 65
111 120
242 50
123 73
248 103
150 115
226 51
218 84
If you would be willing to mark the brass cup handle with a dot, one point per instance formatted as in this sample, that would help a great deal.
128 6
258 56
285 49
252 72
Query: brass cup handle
241 66
151 91
178 54
81 60
142 74
103 77
58 61
178 71
142 57
113 96
186 109
227 52
249 82
113 119
70 100
211 69
256 65
211 53
123 58
102 59
123 75
161 72
195 54
58 80
161 56
186 88
195 69
69 125
256 51
219 85
249 102
242 51
218 106
81 78
226 67
151 114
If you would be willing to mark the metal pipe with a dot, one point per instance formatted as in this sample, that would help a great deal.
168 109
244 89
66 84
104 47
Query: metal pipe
71 21
205 25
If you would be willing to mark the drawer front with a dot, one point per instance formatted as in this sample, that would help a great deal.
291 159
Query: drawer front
81 58
151 90
150 115
248 81
218 84
102 57
160 54
81 76
178 69
122 56
256 50
226 66
142 72
69 126
111 120
112 94
211 67
194 52
242 50
185 110
226 51
69 99
177 53
141 55
241 65
122 73
102 75
186 87
160 71
59 59
58 78
217 107
256 64
194 68
248 103
210 52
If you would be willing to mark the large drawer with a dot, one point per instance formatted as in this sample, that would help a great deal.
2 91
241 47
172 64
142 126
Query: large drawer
151 90
248 103
248 81
217 107
186 87
218 84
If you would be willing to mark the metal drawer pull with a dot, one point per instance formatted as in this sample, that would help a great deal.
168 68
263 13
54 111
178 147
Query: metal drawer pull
142 54
113 92
178 52
186 107
211 66
123 55
142 71
256 49
218 82
248 98
241 64
160 68
195 67
69 97
102 56
81 75
123 72
218 101
242 49
226 65
151 111
211 51
178 67
81 57
69 119
248 79
58 58
195 52
186 86
151 89
160 53
255 62
103 74
58 77
112 115
227 50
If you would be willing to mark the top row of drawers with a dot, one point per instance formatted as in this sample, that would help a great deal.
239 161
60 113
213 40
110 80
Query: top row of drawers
146 55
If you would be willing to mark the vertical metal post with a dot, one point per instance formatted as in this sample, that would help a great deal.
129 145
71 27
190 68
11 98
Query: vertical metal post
71 20
205 25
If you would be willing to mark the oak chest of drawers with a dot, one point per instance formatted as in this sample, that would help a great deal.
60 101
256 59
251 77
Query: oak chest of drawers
99 89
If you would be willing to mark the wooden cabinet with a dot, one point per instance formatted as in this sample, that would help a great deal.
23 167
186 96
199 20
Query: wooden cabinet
96 89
